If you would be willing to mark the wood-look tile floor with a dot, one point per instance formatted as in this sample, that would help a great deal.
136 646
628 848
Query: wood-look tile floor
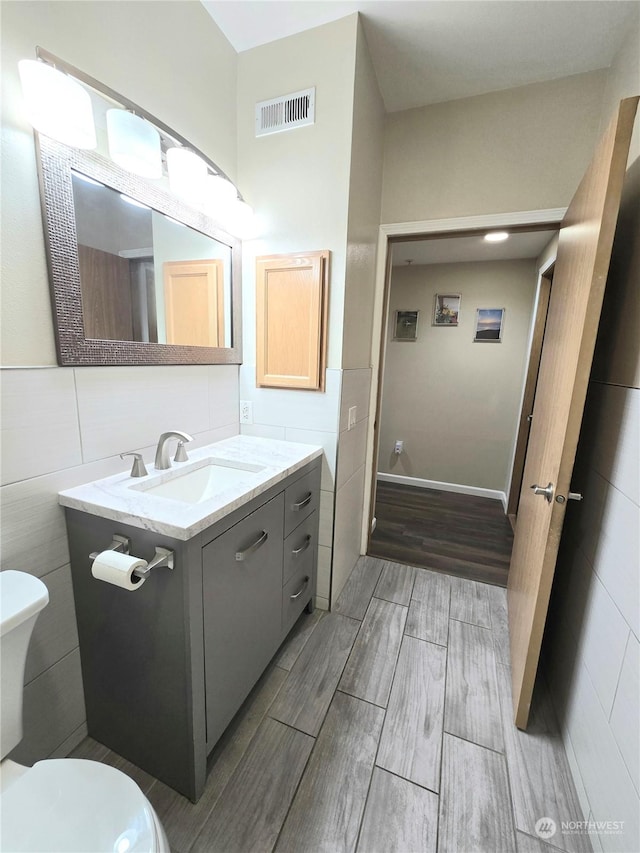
461 535
383 726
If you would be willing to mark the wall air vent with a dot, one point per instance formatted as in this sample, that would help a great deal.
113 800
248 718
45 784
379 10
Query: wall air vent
286 112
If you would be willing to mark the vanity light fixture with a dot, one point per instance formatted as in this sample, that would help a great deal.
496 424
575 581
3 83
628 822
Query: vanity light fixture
57 105
219 196
134 144
187 174
496 236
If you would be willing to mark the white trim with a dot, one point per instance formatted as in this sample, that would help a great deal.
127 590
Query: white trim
468 223
428 226
504 500
419 483
374 522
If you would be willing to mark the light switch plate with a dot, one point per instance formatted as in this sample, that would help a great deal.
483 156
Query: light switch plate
353 414
246 412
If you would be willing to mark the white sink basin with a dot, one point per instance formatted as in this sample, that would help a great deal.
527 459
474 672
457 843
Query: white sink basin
203 480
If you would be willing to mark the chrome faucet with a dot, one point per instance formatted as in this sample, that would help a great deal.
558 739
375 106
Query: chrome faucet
162 453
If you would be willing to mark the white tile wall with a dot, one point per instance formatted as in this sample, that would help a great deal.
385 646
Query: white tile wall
356 388
328 441
263 431
121 408
624 716
314 410
55 633
324 572
594 660
353 446
39 423
346 544
325 533
605 776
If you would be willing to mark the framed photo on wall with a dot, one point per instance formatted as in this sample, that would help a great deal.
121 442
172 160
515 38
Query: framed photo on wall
489 323
447 309
405 327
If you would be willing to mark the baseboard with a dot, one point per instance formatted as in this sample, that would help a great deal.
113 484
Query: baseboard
419 483
374 521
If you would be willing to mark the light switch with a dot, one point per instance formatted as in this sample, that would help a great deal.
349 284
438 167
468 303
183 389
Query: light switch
353 415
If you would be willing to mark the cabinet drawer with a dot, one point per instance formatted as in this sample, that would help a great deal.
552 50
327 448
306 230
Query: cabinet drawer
300 548
301 499
242 598
295 596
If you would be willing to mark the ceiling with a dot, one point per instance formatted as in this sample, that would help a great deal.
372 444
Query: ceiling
466 249
427 51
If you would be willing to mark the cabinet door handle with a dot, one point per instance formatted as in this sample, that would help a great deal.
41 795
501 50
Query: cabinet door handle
301 590
297 507
242 555
297 551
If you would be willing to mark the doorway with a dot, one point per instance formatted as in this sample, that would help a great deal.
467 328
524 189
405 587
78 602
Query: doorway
461 334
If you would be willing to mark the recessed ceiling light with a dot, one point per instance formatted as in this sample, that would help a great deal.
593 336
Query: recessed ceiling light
496 236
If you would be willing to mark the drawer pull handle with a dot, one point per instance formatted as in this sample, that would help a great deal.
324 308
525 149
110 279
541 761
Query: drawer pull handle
242 555
297 507
301 590
297 551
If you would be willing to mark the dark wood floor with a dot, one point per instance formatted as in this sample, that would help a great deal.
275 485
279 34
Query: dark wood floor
462 535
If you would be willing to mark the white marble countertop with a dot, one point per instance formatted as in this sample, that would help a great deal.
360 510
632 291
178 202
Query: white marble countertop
120 497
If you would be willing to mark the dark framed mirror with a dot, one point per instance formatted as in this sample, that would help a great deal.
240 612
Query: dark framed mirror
137 276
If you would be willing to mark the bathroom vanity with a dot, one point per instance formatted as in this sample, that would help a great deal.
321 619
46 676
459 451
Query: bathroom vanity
167 665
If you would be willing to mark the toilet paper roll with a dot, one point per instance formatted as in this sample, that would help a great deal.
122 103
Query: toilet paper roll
116 568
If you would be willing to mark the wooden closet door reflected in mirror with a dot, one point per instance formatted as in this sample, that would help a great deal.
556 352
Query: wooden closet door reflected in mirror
194 302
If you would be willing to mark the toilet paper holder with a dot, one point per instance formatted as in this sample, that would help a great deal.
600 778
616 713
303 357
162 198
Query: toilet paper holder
163 556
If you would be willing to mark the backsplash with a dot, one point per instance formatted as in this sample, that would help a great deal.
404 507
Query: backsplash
62 427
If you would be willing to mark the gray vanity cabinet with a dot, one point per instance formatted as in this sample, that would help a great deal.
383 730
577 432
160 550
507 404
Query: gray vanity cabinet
166 667
241 595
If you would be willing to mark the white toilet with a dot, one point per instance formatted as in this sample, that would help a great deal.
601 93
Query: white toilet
66 804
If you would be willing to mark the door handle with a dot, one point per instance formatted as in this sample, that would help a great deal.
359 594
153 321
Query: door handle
242 555
546 491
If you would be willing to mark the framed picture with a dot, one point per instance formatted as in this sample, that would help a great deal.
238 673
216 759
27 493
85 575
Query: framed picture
406 326
489 323
447 309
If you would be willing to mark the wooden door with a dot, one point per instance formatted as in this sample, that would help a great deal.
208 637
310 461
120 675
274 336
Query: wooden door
194 302
106 295
584 252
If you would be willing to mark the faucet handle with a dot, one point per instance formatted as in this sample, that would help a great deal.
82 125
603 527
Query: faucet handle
138 469
181 453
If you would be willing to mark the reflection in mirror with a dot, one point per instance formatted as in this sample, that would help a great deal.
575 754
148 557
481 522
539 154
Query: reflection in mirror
146 277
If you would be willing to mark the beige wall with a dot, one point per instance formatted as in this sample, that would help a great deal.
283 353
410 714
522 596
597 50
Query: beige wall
592 643
298 181
65 426
362 234
517 149
454 402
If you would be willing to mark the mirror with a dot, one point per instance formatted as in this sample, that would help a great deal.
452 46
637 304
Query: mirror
137 275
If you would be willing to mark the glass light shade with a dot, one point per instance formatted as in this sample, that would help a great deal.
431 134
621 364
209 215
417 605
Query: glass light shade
57 105
241 221
187 174
220 196
134 144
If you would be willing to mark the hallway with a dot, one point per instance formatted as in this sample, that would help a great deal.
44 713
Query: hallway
383 726
462 535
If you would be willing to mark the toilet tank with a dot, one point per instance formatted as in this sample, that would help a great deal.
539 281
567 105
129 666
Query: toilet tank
22 597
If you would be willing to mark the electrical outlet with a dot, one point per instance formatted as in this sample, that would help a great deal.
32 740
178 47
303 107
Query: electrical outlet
353 414
246 412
